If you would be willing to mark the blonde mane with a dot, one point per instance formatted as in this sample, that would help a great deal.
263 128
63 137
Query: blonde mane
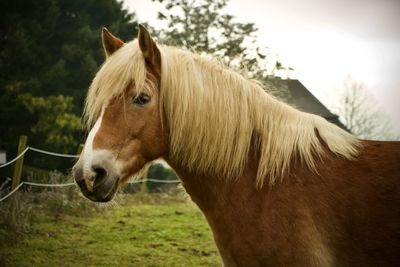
216 116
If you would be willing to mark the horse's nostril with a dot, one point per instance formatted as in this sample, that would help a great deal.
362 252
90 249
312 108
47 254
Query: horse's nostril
100 172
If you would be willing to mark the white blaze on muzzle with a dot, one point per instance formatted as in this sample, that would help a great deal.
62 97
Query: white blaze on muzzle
98 168
88 153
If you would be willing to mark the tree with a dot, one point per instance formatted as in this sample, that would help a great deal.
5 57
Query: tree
57 127
50 51
202 26
361 113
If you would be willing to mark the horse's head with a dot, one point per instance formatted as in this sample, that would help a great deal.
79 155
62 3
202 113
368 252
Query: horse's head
127 132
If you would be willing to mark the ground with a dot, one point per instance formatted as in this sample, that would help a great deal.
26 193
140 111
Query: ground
142 233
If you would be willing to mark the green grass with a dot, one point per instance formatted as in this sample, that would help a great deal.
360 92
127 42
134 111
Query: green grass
174 233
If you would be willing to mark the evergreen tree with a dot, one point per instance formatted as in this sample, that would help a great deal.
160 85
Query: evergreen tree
49 52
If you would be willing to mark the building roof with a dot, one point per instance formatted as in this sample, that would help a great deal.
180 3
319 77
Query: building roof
303 100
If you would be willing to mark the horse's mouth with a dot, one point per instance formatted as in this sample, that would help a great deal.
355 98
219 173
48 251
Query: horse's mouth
102 192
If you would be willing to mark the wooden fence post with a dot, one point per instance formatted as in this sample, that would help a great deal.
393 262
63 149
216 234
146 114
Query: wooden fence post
17 179
19 163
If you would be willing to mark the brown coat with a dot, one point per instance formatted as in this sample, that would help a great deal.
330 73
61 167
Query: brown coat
348 215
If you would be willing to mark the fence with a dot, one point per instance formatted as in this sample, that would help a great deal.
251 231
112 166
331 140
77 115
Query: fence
19 159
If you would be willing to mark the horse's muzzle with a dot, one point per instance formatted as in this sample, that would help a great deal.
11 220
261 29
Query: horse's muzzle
99 183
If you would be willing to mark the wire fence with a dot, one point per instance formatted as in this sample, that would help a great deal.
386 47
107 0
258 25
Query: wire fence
58 185
39 151
71 184
52 153
15 159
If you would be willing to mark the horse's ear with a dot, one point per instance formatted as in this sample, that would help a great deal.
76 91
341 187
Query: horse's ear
149 49
110 42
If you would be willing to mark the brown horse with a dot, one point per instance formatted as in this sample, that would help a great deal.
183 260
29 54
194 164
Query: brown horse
278 187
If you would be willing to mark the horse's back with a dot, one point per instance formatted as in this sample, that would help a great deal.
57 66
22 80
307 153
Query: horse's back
346 215
368 195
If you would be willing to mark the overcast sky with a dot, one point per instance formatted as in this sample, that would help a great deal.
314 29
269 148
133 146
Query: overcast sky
324 41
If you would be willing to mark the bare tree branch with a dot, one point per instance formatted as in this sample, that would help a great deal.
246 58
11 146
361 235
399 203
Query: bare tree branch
361 114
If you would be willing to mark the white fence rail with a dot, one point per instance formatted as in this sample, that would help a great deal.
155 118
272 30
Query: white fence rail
71 184
58 185
39 151
15 159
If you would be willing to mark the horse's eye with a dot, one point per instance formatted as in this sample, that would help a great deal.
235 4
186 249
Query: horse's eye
141 99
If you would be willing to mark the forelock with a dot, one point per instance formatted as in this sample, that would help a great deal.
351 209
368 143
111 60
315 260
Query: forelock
123 68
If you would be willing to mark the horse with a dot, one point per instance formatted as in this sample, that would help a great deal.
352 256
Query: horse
277 186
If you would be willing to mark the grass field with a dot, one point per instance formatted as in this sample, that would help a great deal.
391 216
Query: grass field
144 232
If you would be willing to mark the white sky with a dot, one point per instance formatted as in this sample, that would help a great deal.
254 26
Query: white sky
324 41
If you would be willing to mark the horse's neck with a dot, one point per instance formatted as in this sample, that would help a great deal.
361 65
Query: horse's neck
233 208
211 192
242 216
